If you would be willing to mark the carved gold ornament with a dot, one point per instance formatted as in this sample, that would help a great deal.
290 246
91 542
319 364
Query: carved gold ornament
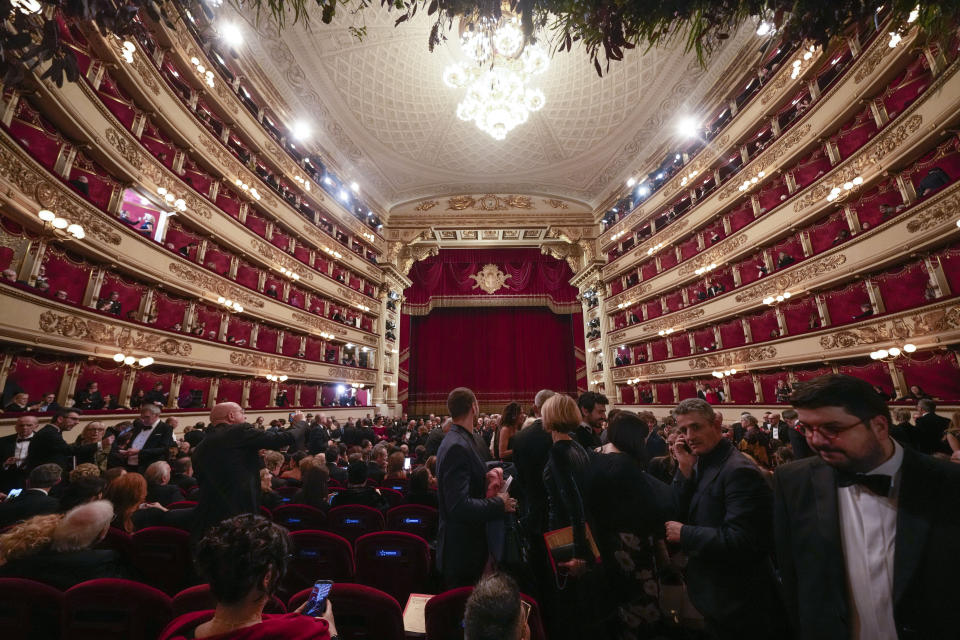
489 202
426 205
118 336
255 361
556 204
490 278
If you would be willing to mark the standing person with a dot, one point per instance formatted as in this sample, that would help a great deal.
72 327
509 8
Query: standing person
227 463
510 422
13 453
48 445
464 507
865 530
150 440
796 439
531 448
930 427
726 507
593 413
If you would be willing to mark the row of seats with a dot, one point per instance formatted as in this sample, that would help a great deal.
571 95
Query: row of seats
112 609
804 172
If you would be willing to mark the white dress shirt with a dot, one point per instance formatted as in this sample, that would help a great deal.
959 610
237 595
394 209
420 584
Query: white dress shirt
868 531
20 452
139 441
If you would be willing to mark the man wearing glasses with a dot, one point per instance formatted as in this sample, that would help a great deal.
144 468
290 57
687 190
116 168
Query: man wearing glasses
866 531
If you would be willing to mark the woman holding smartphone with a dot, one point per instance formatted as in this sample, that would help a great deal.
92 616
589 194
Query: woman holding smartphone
244 558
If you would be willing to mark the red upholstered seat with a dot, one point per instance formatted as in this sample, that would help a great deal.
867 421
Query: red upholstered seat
418 519
362 613
162 555
317 555
392 496
200 598
109 608
299 517
354 520
444 615
185 624
29 609
118 540
395 562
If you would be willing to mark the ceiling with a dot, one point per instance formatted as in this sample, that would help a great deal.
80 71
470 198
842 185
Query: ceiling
380 108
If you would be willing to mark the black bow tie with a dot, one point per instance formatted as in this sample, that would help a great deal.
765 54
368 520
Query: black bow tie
877 483
23 439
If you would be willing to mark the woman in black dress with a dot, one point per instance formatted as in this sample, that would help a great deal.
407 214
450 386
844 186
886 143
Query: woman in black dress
628 508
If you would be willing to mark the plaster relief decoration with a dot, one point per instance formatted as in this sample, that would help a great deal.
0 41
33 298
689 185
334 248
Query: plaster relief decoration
490 278
426 205
267 363
489 202
111 335
909 326
639 371
556 204
940 212
214 285
673 320
19 170
713 255
733 358
352 374
321 325
790 280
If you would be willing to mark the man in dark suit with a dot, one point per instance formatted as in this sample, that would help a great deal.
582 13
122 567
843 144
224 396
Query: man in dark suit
34 500
228 465
866 530
151 440
530 453
929 429
725 506
337 473
89 398
796 439
464 508
13 453
159 488
655 446
48 445
182 475
47 405
593 411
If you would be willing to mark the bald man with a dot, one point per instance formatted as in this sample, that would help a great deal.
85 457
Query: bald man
227 465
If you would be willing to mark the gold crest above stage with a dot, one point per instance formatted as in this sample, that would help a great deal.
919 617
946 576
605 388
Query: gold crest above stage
490 278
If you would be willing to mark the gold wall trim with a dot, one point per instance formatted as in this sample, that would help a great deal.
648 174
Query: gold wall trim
123 338
907 327
790 281
731 358
215 285
267 363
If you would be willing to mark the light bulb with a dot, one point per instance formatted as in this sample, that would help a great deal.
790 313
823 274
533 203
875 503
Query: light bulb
283 378
60 223
786 294
118 357
894 351
882 353
129 360
75 229
46 215
201 68
221 300
909 348
145 362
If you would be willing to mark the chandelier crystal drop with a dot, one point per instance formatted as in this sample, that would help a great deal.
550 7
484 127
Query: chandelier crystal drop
497 98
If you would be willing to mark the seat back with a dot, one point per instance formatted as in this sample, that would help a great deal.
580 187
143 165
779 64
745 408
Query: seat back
362 613
354 520
395 484
298 517
418 519
200 598
444 615
29 609
392 496
317 555
397 563
162 555
185 624
181 504
286 493
110 608
118 540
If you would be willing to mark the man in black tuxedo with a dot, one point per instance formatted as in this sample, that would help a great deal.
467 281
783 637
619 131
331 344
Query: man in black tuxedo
13 452
531 450
48 445
929 429
228 464
464 508
796 439
33 501
726 509
151 440
89 398
866 531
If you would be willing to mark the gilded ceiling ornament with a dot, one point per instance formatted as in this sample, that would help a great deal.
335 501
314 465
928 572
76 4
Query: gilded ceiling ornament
556 204
70 326
911 325
639 371
489 202
426 205
490 278
345 373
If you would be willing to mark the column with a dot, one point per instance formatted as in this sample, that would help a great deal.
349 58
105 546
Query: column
92 292
214 390
245 395
126 387
175 383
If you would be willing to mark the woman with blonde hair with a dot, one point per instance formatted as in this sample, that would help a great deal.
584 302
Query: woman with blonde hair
28 538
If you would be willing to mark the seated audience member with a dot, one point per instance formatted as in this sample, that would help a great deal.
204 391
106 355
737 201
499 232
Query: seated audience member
902 431
130 511
494 612
784 260
935 179
268 497
81 184
313 491
783 391
915 394
47 405
81 490
20 402
292 470
243 559
395 466
419 489
182 475
866 310
89 398
110 304
357 491
159 489
58 551
337 473
273 463
813 320
34 500
842 236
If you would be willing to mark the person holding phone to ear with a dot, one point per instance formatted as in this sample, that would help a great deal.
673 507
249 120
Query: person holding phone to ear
244 558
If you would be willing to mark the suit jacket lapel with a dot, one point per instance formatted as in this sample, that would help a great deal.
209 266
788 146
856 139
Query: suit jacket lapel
706 479
912 526
824 482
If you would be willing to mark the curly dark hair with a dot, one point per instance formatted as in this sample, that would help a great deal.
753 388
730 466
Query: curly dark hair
236 554
511 414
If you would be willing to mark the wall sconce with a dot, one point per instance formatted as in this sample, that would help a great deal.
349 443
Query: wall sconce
272 377
652 250
132 362
665 332
60 226
891 354
204 73
252 191
723 374
749 183
335 254
177 203
289 273
231 305
702 270
775 300
847 188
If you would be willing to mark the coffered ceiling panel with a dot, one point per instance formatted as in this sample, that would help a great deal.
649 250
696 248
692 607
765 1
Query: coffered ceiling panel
381 109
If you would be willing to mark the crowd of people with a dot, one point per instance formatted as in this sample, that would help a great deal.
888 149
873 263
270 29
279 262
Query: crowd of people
825 520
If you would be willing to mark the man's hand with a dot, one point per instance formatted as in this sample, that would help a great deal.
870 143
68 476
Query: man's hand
509 504
575 567
129 452
10 462
685 458
673 531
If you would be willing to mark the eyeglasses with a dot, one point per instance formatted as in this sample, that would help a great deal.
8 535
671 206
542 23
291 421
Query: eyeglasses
829 433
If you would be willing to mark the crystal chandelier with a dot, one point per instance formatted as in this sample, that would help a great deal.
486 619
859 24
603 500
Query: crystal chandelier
497 98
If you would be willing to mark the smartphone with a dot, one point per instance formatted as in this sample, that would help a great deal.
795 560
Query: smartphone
406 464
13 493
317 603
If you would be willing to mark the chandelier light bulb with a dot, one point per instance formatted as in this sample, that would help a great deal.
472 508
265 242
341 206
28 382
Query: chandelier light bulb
894 351
201 68
60 223
118 357
231 34
46 215
129 360
283 378
221 300
909 348
687 127
145 362
764 29
882 353
128 46
75 229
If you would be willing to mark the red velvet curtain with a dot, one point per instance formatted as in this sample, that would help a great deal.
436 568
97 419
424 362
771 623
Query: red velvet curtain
689 248
686 389
668 258
328 394
198 179
750 269
768 384
37 376
674 301
937 373
803 374
648 270
626 394
240 330
843 304
873 371
856 133
741 389
66 273
659 349
169 310
228 202
824 233
654 310
100 185
731 334
191 383
302 253
247 275
291 345
903 91
681 345
36 135
903 288
230 390
763 326
256 224
267 339
107 375
297 297
797 315
280 240
664 393
502 354
259 396
950 259
704 338
308 395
